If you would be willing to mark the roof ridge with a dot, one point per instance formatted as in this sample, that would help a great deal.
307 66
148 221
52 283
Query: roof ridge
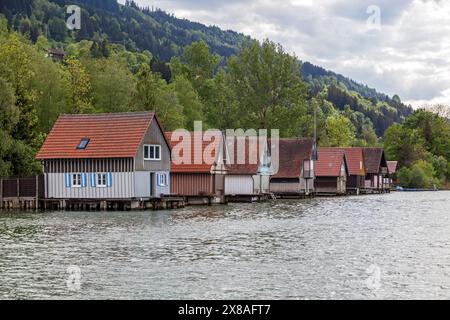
106 114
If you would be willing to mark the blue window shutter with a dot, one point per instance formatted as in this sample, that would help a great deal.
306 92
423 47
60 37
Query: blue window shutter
67 179
93 178
109 180
167 179
83 180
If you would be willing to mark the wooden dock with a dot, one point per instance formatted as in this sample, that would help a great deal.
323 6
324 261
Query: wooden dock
27 194
165 203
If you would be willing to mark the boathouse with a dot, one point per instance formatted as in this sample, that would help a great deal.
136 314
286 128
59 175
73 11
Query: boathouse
331 172
120 159
392 168
295 176
198 166
376 169
248 169
356 168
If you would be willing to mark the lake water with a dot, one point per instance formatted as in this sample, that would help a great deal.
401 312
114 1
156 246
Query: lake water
372 247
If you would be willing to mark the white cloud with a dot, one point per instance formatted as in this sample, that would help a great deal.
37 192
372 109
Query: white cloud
409 56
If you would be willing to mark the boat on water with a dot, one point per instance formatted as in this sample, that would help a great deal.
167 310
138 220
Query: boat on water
401 189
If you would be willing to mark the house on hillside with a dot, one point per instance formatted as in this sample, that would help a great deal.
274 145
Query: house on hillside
248 169
106 159
331 172
295 176
57 55
376 170
357 170
198 166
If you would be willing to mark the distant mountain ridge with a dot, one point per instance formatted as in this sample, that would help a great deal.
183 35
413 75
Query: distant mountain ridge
165 36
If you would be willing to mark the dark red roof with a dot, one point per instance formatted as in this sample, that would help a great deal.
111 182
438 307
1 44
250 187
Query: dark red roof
292 153
392 166
115 135
246 163
211 147
330 162
374 159
355 161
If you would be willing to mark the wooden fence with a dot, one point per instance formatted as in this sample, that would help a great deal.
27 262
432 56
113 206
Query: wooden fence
21 193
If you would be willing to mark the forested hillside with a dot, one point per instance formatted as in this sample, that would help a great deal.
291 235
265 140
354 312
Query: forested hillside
137 29
126 58
165 36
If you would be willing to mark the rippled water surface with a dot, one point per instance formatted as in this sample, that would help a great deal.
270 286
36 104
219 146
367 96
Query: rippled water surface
393 246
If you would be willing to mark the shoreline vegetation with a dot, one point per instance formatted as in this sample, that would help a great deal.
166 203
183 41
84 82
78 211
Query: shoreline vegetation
254 85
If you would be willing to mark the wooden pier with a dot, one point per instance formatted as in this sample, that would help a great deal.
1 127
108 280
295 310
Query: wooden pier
27 194
165 203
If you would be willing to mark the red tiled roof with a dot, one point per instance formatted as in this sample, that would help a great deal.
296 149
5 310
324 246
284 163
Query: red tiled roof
355 161
115 135
329 163
248 162
392 166
204 166
374 159
291 156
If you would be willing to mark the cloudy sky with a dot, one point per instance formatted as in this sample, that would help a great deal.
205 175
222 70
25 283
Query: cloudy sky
402 48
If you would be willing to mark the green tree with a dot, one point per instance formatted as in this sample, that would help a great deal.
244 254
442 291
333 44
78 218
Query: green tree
340 131
433 129
404 145
189 100
198 65
268 88
221 109
153 94
420 175
112 84
16 67
78 85
9 112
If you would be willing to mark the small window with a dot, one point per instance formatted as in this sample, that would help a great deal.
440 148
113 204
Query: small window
152 152
101 180
162 180
83 144
76 180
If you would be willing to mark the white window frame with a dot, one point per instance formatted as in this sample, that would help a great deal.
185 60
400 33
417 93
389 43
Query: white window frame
100 177
162 180
154 146
76 180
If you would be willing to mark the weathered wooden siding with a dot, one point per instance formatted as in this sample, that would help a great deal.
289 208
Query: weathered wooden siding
122 188
261 184
333 185
88 165
292 186
146 185
154 136
287 187
191 184
219 184
356 182
239 185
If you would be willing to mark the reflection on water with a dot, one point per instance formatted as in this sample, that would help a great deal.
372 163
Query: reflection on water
394 246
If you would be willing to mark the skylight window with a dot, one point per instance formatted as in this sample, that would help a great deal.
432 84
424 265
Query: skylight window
83 144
